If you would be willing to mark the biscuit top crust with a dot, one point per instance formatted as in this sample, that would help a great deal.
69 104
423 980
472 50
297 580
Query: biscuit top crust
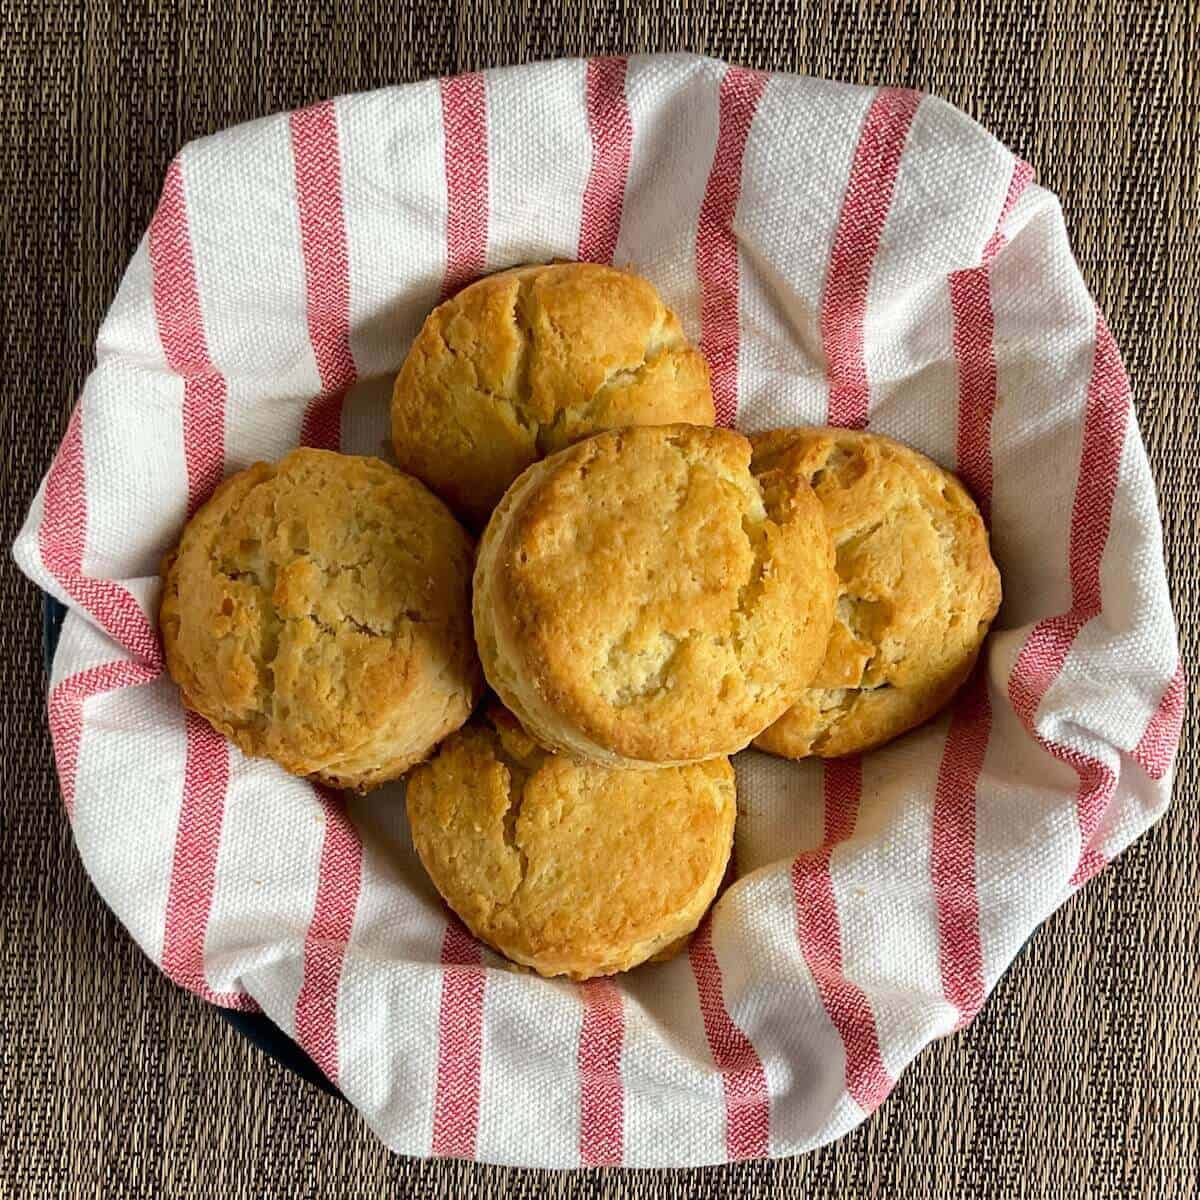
566 866
525 362
658 602
917 586
309 598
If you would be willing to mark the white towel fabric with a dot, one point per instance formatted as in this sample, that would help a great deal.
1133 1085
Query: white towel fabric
842 254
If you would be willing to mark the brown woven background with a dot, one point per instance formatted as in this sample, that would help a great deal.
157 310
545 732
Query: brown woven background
1080 1076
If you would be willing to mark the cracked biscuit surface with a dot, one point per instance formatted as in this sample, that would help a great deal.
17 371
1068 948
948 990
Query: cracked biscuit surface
568 867
917 588
523 363
638 602
317 612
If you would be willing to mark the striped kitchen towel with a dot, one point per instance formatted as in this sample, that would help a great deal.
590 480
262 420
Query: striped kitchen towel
869 258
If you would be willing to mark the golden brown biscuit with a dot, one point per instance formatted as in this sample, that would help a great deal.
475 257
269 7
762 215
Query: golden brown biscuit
317 612
917 587
524 363
637 602
567 867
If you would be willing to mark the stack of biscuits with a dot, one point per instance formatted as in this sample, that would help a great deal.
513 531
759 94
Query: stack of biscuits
649 595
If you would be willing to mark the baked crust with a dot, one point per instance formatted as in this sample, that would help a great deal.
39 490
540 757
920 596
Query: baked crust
317 612
917 588
525 362
638 602
568 867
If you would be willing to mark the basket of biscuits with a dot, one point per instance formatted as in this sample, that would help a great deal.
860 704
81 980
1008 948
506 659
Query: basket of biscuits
535 546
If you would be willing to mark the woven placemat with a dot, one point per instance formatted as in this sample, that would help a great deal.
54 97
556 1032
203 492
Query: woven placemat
1080 1076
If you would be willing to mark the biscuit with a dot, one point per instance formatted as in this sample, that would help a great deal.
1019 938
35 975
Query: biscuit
637 603
317 612
568 867
523 363
917 588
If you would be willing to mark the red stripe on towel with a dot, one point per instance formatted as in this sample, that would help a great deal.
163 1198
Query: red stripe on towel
339 881
1045 650
1022 177
952 863
62 538
960 949
194 866
846 1003
464 125
326 254
460 1045
743 1080
865 206
65 713
975 355
611 132
180 321
1157 745
716 242
601 1095
971 305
